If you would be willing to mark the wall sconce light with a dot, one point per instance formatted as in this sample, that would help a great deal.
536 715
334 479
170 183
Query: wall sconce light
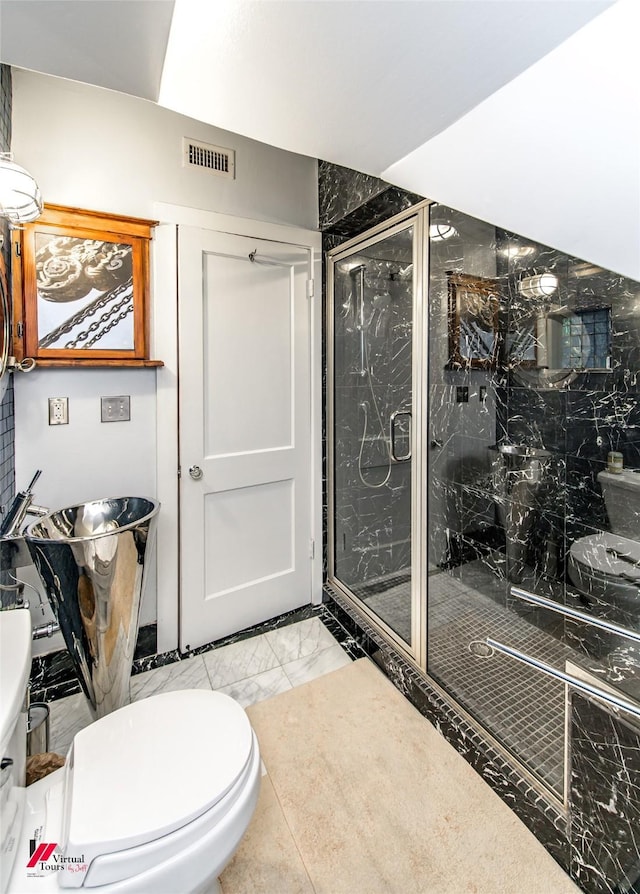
540 286
20 199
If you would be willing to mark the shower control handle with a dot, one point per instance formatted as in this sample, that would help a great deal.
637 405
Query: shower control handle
403 457
196 472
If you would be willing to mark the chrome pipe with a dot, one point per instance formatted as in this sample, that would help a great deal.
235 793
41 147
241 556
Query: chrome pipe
92 560
600 694
575 614
45 630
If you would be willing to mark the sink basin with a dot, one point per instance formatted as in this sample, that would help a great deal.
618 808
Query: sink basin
92 559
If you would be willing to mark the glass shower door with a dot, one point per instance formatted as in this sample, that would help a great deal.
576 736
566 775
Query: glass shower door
371 386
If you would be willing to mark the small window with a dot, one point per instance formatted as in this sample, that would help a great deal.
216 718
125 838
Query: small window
586 339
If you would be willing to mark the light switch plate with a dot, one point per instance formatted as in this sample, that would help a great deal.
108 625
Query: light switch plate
58 411
115 409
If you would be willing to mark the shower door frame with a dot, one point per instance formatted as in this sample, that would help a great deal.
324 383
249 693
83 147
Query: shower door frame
416 217
416 654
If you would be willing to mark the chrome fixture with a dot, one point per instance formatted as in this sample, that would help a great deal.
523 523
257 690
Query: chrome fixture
602 695
21 506
575 614
92 560
520 477
20 199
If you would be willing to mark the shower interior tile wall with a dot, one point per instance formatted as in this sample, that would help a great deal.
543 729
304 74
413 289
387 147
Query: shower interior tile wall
593 413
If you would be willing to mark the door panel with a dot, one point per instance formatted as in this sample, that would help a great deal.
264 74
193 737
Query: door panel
245 423
373 404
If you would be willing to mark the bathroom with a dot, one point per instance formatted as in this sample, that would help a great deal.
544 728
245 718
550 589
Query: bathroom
469 528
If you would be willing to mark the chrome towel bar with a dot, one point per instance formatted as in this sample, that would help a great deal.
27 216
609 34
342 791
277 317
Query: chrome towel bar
575 613
607 697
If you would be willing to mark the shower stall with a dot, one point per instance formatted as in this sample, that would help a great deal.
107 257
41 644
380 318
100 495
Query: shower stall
455 490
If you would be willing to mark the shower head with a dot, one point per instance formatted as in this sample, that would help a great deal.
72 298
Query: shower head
357 269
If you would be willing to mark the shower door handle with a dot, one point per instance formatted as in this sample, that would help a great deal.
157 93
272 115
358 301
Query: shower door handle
403 457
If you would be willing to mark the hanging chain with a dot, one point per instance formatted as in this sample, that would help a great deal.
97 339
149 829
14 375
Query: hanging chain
95 326
97 304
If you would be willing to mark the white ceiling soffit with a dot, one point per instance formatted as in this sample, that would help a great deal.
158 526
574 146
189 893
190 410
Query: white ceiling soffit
559 154
119 44
357 82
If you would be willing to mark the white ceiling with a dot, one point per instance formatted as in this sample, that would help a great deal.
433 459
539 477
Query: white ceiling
521 112
358 82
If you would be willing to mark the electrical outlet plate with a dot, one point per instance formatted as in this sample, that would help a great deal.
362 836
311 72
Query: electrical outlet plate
115 409
58 410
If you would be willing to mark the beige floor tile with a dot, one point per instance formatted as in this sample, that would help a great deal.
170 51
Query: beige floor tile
267 861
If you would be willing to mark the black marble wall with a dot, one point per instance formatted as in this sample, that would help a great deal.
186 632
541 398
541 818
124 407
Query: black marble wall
496 520
349 204
605 799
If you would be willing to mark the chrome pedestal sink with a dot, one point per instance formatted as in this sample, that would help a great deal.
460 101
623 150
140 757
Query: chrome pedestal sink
521 477
93 561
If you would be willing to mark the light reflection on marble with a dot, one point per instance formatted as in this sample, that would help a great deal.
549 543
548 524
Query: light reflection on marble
299 640
240 660
256 689
189 674
316 665
67 717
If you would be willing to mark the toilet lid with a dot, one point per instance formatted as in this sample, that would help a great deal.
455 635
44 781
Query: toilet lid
152 767
609 554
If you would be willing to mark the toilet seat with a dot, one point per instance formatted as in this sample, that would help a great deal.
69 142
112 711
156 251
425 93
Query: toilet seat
608 557
149 769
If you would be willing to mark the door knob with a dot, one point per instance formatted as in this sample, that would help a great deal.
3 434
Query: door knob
196 472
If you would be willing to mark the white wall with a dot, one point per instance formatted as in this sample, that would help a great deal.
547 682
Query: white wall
91 148
555 154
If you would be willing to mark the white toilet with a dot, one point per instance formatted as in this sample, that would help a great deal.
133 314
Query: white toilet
153 798
605 567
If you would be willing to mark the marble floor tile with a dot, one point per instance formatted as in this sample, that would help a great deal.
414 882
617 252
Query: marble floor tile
300 640
237 661
311 666
256 689
66 718
188 674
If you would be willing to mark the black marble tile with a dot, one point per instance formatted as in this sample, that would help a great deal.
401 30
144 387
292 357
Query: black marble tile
584 499
605 799
538 419
341 190
601 421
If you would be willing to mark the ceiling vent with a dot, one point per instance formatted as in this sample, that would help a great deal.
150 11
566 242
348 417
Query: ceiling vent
215 159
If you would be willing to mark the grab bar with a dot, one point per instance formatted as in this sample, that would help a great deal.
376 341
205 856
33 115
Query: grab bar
575 613
594 691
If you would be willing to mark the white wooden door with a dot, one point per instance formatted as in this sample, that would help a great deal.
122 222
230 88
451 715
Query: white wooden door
245 423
